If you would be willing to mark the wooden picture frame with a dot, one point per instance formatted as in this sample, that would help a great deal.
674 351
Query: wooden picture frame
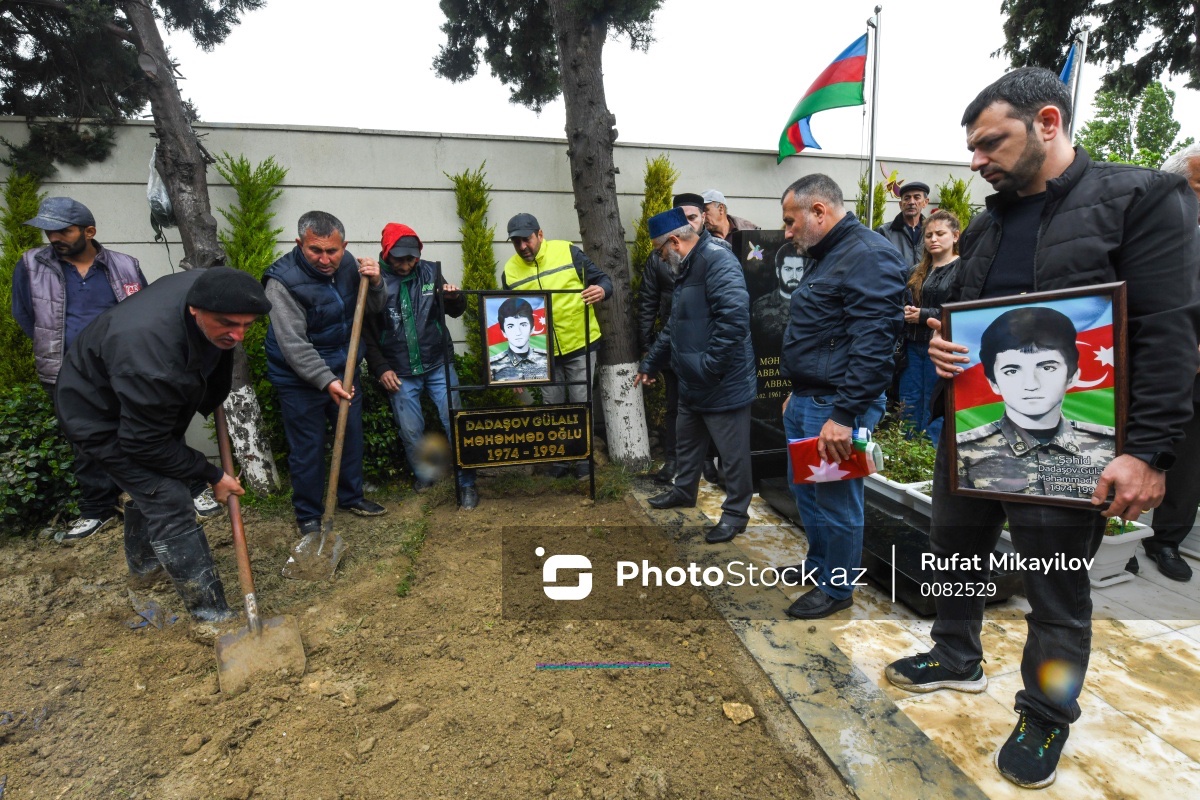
1022 424
528 317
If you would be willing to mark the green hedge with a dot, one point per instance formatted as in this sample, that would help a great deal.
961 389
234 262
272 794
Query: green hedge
37 479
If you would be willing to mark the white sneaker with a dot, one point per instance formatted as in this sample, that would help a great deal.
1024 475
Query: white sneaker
206 506
83 528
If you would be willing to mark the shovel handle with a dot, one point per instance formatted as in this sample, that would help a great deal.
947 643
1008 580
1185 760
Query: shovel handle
339 436
245 578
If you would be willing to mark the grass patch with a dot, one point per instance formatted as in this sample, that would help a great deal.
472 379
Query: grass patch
412 540
613 482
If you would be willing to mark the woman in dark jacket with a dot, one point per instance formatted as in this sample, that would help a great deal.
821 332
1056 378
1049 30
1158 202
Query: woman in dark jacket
928 283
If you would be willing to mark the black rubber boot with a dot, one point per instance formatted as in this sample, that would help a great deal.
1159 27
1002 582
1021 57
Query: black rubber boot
189 563
144 569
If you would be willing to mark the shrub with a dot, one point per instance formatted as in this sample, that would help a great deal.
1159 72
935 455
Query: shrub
37 479
249 244
908 456
656 198
860 204
955 196
21 200
660 186
472 202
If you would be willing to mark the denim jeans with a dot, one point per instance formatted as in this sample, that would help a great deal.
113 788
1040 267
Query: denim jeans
916 390
832 513
406 408
1060 620
305 412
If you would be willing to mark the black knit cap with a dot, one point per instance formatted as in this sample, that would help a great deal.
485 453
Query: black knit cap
228 291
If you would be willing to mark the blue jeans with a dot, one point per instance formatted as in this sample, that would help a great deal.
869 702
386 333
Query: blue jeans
305 411
832 513
916 390
406 408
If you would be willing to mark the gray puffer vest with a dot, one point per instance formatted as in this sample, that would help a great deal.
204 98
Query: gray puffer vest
48 290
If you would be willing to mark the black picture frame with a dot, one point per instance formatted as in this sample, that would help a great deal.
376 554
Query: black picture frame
512 371
1051 429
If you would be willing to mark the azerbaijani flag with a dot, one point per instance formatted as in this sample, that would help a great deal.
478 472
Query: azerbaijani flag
841 84
1090 399
495 337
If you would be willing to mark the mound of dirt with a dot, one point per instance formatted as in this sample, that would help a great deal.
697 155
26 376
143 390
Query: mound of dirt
415 686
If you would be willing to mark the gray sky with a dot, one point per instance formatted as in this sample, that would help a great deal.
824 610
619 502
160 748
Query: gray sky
720 74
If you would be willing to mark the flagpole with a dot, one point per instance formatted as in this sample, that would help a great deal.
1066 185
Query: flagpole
1078 79
873 22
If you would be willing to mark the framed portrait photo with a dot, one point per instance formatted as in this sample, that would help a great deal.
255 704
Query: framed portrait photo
516 338
1039 411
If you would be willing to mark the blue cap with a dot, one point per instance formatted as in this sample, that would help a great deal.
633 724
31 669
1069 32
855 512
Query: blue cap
670 220
56 213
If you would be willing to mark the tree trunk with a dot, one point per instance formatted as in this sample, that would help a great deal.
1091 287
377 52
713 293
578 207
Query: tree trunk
590 136
182 164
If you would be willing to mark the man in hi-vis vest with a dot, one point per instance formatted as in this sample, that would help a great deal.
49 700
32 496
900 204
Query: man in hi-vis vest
542 263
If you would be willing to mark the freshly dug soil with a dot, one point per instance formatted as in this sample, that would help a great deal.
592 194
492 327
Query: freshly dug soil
426 695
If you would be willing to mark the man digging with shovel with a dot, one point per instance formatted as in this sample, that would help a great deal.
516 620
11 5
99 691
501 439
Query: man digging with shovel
129 386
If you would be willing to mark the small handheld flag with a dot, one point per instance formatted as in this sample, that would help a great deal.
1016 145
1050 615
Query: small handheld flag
841 84
808 466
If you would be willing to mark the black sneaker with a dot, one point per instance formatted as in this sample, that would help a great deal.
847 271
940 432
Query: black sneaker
83 528
364 508
1030 756
922 673
470 498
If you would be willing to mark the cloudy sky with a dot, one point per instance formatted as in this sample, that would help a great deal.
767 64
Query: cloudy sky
720 74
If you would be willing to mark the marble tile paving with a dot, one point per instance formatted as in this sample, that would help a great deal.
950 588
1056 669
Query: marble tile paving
1139 733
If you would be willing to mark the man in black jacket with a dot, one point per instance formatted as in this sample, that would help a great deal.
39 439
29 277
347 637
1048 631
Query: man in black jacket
1059 221
846 314
906 231
654 306
408 348
130 385
707 343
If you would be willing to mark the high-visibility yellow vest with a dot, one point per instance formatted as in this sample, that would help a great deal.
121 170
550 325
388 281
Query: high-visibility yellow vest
553 269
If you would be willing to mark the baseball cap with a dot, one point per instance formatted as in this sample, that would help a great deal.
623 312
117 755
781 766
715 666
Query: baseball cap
406 246
56 213
714 196
523 225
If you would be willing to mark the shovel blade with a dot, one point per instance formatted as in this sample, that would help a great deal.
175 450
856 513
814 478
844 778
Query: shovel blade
310 561
243 654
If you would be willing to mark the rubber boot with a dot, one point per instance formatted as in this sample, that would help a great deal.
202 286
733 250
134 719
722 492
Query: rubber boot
144 569
189 563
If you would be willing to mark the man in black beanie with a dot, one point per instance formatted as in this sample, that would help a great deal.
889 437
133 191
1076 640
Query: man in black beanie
130 385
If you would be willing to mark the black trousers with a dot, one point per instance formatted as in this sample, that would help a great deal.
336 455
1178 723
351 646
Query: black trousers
671 418
1173 519
98 493
730 432
1060 620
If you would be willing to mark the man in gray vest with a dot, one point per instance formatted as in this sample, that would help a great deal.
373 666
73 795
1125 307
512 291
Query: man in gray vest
58 289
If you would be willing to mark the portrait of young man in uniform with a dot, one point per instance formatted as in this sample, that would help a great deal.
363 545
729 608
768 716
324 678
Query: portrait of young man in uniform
520 361
1030 358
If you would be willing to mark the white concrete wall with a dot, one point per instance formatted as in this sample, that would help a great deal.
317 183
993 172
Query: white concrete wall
368 178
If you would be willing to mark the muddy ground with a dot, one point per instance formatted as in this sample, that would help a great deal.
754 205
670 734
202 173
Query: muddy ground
416 686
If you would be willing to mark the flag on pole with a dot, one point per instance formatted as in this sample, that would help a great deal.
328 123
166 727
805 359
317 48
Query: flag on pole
841 84
1065 75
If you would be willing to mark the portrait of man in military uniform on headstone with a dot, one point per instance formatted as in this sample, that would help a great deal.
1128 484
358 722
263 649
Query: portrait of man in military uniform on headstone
1035 412
515 331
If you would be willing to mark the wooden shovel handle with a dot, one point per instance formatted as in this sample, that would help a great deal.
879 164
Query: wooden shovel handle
245 578
335 461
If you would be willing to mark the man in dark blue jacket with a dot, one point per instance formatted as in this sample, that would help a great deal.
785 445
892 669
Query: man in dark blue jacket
844 319
707 344
408 347
313 291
